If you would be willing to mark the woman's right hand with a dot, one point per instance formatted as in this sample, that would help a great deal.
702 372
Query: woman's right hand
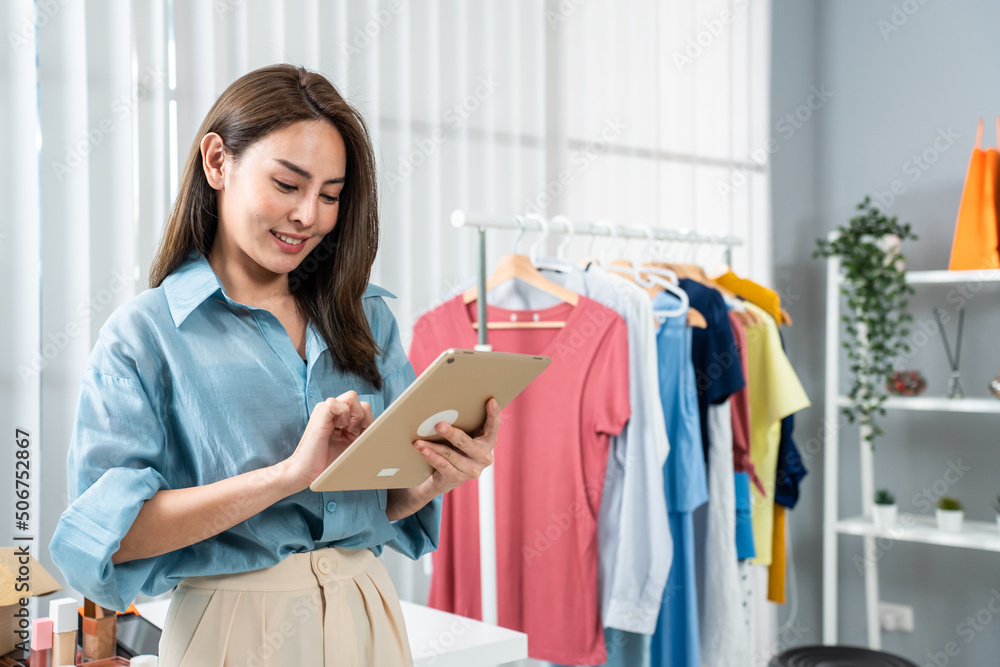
333 425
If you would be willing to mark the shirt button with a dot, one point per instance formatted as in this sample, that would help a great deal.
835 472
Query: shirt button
323 565
331 506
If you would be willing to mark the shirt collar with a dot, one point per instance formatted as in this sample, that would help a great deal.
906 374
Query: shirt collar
189 285
195 280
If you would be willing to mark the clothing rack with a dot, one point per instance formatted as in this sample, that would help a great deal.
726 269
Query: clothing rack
557 225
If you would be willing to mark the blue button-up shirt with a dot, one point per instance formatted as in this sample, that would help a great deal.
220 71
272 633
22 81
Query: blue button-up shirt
186 387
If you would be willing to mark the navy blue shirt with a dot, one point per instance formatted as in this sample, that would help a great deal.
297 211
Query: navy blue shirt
717 365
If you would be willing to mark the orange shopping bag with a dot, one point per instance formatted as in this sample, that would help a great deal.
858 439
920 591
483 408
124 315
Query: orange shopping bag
977 235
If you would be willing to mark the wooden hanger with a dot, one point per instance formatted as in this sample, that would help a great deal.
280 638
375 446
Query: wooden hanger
519 267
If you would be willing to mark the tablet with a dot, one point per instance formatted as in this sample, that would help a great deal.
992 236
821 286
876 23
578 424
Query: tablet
453 389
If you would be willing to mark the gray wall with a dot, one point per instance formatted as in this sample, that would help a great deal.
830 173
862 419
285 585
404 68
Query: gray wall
891 93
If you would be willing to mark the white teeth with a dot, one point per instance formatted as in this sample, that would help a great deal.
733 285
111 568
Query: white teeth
288 239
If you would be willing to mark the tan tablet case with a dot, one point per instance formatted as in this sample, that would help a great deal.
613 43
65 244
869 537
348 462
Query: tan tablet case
453 389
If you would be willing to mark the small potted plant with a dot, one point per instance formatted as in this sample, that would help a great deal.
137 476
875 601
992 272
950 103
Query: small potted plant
885 508
950 514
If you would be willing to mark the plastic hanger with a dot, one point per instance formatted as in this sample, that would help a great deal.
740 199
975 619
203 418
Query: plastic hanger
560 263
620 266
693 317
658 277
519 267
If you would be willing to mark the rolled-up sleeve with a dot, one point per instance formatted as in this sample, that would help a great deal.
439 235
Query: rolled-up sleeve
418 533
116 462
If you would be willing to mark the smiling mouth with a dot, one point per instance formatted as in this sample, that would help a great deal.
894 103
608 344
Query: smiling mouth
288 239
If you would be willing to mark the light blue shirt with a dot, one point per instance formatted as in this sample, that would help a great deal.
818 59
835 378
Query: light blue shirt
635 548
186 387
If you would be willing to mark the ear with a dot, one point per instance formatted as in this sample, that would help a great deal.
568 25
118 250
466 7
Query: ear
213 160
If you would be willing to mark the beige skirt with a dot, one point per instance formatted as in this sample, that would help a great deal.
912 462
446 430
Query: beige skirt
323 608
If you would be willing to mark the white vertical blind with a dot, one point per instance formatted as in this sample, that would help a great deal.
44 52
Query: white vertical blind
20 269
636 112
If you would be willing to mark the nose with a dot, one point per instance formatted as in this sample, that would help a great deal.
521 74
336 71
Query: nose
304 212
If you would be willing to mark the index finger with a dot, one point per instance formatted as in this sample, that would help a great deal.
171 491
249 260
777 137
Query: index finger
356 411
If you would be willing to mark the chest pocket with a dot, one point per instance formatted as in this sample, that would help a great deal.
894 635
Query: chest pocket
378 405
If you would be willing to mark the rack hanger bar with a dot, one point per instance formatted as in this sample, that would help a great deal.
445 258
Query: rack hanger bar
460 218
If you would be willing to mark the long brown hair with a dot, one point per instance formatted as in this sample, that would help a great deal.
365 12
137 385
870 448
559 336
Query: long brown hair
328 284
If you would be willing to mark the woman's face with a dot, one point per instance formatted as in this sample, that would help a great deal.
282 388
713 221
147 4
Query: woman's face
278 202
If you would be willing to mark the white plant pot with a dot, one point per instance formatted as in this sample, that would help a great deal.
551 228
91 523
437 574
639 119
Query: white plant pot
890 244
885 515
950 520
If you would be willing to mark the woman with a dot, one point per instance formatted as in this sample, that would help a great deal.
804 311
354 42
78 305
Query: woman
183 465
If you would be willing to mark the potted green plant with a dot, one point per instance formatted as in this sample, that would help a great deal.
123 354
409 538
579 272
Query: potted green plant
874 282
885 508
950 514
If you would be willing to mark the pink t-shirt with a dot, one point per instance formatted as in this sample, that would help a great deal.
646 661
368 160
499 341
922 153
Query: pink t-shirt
549 465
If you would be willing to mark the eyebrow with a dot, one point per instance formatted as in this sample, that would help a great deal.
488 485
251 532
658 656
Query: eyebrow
305 174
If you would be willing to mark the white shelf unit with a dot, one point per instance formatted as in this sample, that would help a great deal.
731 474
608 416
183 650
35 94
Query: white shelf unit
935 404
979 535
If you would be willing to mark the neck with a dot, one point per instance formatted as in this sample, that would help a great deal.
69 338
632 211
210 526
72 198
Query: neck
244 279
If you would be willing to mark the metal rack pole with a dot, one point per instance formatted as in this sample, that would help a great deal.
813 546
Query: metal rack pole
487 491
460 218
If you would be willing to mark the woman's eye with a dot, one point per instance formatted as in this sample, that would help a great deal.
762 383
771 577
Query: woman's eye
284 186
329 199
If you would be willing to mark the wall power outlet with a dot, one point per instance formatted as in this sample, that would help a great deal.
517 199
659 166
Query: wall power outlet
895 617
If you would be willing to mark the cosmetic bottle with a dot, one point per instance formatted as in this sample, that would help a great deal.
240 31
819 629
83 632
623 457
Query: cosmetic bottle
64 616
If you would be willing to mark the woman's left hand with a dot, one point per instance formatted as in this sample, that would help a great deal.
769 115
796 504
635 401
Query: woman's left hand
464 459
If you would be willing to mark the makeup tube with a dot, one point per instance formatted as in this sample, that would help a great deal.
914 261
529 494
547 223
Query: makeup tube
63 613
41 642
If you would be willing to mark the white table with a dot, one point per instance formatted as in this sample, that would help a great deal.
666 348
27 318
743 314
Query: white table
436 637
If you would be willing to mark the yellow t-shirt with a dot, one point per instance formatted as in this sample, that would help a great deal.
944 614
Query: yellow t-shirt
775 393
